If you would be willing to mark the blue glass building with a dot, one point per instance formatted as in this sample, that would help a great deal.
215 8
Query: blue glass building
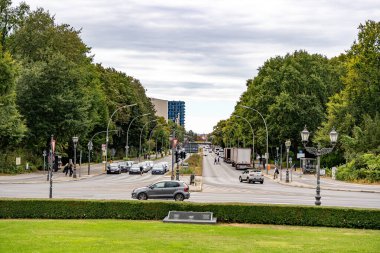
175 108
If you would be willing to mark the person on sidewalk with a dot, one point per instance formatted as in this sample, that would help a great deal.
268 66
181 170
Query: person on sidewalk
275 174
70 168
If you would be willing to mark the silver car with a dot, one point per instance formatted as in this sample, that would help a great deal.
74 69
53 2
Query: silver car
125 166
177 190
135 168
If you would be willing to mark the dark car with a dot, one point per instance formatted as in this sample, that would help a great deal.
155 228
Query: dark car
177 190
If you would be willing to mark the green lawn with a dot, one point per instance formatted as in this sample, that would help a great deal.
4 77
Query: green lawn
155 236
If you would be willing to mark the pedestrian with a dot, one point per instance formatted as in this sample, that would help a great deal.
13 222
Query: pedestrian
66 169
275 175
70 167
141 170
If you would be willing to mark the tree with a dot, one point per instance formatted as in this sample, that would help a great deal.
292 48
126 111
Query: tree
361 93
12 126
289 92
10 19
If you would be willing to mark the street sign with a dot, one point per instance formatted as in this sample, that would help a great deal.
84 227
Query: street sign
300 155
18 160
104 147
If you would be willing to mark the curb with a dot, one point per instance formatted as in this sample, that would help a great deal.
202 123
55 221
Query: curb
54 180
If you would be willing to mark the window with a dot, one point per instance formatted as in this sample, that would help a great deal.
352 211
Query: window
159 185
171 184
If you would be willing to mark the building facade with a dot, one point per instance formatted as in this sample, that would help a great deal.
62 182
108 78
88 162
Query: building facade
161 107
176 108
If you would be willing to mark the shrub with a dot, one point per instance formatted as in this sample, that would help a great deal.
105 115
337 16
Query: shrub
156 210
365 167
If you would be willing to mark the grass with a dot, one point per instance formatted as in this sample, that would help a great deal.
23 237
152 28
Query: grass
155 236
195 165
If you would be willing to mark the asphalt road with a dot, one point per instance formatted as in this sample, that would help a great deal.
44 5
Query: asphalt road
220 184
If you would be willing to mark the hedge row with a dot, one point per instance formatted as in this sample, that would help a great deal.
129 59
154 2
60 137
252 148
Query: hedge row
155 210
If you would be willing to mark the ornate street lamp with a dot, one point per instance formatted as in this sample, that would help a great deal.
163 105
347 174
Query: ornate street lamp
319 151
287 145
75 141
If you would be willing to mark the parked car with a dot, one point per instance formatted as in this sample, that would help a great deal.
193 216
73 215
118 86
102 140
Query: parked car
158 169
148 165
165 165
113 168
125 166
135 168
252 176
177 190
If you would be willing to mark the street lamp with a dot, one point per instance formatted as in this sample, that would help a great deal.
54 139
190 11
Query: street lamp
150 137
253 139
319 151
75 141
109 121
89 145
126 145
266 129
287 145
140 136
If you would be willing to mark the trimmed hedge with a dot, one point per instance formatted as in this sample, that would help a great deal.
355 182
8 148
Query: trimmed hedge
155 210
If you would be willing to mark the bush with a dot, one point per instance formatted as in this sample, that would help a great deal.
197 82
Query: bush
365 168
155 210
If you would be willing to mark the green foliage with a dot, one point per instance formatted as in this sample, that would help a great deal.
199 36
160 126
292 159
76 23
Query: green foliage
12 126
361 93
155 210
363 168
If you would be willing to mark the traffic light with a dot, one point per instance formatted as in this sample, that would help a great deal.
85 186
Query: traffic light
176 156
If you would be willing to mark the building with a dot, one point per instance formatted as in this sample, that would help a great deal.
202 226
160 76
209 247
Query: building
176 108
161 107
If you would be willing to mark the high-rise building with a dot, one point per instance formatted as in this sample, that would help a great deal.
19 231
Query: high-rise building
176 108
161 107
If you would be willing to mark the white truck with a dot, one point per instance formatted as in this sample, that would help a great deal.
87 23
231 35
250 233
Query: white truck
242 158
227 155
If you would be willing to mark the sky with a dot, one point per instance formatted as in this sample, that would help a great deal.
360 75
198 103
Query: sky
204 51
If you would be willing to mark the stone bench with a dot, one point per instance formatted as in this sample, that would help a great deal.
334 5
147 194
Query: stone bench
190 217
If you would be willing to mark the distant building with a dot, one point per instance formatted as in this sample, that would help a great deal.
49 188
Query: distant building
161 107
176 108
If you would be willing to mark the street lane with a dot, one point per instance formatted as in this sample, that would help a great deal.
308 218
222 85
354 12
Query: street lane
220 184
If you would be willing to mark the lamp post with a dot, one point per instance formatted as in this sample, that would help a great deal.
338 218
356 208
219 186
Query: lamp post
277 148
150 137
75 141
287 145
266 129
253 140
141 134
319 151
44 154
109 121
126 145
89 145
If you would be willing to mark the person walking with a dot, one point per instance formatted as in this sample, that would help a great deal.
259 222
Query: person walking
141 170
275 174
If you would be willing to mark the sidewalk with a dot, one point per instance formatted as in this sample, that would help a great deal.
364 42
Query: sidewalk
59 176
296 179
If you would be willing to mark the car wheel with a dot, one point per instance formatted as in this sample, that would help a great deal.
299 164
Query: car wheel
240 179
262 181
142 196
179 197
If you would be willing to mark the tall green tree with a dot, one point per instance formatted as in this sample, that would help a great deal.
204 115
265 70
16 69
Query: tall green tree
361 93
10 19
12 126
290 92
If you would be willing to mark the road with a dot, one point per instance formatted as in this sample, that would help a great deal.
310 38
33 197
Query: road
220 184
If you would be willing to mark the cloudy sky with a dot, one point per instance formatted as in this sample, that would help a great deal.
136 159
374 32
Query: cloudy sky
203 51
